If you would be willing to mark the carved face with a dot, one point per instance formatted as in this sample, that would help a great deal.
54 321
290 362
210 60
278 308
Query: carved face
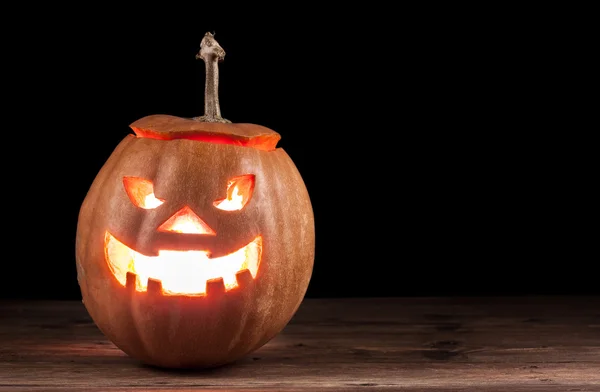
184 272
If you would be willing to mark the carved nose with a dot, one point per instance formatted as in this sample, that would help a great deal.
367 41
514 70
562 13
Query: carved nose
186 221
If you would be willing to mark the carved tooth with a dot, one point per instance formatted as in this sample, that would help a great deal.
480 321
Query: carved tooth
244 278
131 280
154 286
215 287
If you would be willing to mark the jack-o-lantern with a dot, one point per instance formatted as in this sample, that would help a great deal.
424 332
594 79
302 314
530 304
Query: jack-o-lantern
195 242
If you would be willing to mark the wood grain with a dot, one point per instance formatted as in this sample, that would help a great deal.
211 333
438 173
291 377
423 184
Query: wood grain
384 344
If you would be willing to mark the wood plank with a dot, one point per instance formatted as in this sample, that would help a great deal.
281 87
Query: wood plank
382 344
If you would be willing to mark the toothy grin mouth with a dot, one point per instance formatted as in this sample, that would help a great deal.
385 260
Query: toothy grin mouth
182 272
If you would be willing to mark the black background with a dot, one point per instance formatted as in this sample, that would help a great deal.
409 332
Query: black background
431 141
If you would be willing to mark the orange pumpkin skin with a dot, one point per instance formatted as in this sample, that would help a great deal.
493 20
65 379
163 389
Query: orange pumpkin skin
189 164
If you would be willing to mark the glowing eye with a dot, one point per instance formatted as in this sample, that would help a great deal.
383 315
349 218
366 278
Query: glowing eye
141 192
239 191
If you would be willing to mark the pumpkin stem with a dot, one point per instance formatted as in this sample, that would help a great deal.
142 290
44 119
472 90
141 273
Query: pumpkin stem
211 52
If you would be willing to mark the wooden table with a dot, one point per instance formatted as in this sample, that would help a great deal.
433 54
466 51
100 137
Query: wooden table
385 344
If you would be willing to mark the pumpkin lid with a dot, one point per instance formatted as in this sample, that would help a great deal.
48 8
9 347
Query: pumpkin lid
166 127
210 127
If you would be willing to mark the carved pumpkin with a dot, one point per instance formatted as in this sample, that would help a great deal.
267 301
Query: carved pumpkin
195 242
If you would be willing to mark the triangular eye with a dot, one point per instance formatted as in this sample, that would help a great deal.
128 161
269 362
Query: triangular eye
141 192
239 192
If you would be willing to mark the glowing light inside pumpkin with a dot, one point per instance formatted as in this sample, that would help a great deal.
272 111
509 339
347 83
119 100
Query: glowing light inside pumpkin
186 221
239 191
141 192
181 272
